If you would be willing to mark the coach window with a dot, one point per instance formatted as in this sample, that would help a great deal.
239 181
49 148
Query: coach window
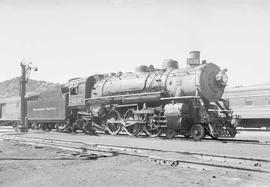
236 101
258 100
74 90
248 101
267 99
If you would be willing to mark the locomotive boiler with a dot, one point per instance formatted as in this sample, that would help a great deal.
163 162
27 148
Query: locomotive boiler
173 100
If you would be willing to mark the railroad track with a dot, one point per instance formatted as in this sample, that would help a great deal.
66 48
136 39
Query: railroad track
172 158
227 140
221 140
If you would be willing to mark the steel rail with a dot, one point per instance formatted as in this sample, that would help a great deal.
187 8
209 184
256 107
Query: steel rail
220 140
193 158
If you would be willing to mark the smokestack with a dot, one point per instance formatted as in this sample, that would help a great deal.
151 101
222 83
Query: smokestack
194 59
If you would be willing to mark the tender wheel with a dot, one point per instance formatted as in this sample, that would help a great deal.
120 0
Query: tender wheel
57 127
170 133
113 125
15 126
152 130
34 126
197 132
42 126
132 130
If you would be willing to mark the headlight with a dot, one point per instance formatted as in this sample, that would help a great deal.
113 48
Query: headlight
222 78
225 78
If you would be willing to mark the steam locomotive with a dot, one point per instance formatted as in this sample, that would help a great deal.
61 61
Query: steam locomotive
153 101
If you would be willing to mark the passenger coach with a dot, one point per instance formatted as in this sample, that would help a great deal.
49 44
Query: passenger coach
252 103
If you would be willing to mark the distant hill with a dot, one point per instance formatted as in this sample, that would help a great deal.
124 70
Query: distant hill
11 87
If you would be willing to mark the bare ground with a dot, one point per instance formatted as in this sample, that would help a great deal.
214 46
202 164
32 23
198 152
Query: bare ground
22 165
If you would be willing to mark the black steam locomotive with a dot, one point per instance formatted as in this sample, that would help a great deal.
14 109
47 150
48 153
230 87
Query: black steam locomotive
152 101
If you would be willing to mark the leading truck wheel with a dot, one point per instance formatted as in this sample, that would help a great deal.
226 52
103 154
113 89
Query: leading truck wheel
114 125
170 133
197 132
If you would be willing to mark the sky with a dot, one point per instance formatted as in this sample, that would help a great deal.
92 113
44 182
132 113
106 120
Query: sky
78 38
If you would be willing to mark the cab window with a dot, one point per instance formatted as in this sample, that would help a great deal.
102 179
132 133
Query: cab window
74 91
81 89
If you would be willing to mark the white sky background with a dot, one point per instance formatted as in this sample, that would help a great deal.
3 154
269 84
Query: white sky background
76 38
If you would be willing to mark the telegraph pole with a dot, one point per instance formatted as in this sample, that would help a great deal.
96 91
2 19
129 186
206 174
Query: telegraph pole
22 92
25 73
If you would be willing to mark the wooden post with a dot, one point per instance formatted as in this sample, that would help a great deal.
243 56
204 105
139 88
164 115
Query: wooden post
22 126
26 69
